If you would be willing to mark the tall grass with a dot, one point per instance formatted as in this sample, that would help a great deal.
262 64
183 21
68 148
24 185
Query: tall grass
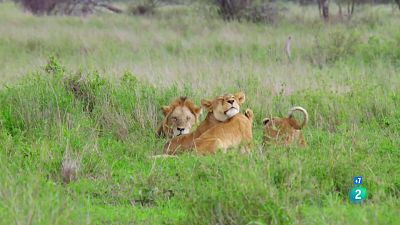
98 102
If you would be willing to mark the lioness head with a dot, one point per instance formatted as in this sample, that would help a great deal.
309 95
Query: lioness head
224 106
285 130
180 116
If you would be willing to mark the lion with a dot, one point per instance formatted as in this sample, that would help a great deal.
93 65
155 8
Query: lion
285 131
220 110
237 131
179 118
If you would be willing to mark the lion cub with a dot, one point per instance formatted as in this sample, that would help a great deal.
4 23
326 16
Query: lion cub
285 131
223 127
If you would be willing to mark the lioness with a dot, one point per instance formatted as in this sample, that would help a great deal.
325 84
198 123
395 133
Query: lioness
220 110
180 116
285 131
236 131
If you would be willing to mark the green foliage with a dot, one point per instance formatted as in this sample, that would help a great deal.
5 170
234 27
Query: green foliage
376 49
336 45
42 118
342 45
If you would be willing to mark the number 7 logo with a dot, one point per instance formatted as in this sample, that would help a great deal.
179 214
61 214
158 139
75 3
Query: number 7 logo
357 180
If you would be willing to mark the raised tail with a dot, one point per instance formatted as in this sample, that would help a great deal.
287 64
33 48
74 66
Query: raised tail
302 110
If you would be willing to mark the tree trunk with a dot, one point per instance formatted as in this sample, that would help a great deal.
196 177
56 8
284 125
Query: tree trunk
325 9
352 6
320 7
398 3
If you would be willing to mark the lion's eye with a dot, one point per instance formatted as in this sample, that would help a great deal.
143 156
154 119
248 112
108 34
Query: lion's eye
188 118
174 118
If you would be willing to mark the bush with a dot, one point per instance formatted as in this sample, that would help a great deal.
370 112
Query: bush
263 12
143 7
232 9
336 45
377 49
64 7
254 11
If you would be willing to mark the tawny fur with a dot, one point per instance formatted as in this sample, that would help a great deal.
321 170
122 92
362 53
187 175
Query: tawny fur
181 114
223 123
235 132
285 131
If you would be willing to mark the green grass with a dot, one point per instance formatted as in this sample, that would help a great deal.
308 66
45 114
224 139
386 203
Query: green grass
346 74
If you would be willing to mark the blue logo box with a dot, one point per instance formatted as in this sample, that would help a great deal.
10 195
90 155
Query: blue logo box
357 180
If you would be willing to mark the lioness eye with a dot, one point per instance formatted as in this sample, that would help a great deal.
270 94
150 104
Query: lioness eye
188 118
174 118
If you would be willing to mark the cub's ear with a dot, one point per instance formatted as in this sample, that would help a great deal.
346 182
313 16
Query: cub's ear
206 104
266 120
166 110
197 111
240 97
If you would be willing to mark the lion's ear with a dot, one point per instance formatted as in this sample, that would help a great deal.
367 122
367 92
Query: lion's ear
197 111
240 97
166 110
206 104
266 120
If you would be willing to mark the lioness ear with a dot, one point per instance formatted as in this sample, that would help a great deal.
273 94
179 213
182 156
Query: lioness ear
197 111
206 104
265 121
240 97
166 110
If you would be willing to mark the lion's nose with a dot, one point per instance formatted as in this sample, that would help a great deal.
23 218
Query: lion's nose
180 129
231 101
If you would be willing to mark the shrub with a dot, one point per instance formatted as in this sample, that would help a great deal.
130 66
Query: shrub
65 7
232 9
143 7
263 12
376 49
336 45
254 11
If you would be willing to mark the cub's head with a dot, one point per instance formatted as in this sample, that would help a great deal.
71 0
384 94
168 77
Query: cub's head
180 116
284 130
224 106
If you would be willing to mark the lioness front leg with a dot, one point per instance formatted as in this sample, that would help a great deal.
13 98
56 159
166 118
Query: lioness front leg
179 144
207 146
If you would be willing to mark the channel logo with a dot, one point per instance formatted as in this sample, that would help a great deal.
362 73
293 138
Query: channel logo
357 193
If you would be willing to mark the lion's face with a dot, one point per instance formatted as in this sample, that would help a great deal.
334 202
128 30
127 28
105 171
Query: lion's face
180 116
224 107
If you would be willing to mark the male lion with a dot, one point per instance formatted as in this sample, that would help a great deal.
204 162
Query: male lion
180 116
223 109
285 131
